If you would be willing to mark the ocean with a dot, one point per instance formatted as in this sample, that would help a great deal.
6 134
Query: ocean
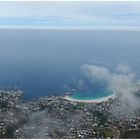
46 62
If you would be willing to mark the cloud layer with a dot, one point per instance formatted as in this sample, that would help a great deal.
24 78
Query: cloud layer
70 14
122 81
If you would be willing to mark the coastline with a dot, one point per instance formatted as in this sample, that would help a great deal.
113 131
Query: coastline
99 100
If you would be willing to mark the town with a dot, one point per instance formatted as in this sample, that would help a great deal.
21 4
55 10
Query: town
55 117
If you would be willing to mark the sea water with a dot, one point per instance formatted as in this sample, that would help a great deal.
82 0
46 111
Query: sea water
48 62
92 95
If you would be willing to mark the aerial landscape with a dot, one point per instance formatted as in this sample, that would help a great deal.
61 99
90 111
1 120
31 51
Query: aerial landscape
69 70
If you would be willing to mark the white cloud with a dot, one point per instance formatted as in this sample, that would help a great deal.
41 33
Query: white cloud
90 14
122 81
97 72
123 68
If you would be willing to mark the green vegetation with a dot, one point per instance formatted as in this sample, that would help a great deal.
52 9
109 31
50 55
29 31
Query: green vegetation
131 134
3 104
106 132
80 105
102 117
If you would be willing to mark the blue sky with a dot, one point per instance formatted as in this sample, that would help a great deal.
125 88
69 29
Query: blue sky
70 14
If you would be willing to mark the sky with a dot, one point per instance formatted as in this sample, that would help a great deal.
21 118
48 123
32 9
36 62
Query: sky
72 14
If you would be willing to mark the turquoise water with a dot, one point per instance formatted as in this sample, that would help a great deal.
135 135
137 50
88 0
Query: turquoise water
91 96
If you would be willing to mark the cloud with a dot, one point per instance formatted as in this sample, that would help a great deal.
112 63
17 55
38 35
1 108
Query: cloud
98 72
123 68
122 81
70 14
42 125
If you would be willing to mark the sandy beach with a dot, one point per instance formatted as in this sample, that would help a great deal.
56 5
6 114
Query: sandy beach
89 101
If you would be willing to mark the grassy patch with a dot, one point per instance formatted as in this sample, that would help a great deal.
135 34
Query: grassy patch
80 105
133 134
106 132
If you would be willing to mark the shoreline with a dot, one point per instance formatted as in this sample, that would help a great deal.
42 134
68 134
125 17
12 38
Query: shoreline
99 100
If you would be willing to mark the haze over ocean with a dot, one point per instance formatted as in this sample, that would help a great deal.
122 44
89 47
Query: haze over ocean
48 62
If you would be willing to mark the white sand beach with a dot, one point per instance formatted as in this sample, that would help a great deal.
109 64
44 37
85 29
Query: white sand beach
91 100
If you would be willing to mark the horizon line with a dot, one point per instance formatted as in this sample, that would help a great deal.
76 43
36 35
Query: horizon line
112 28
